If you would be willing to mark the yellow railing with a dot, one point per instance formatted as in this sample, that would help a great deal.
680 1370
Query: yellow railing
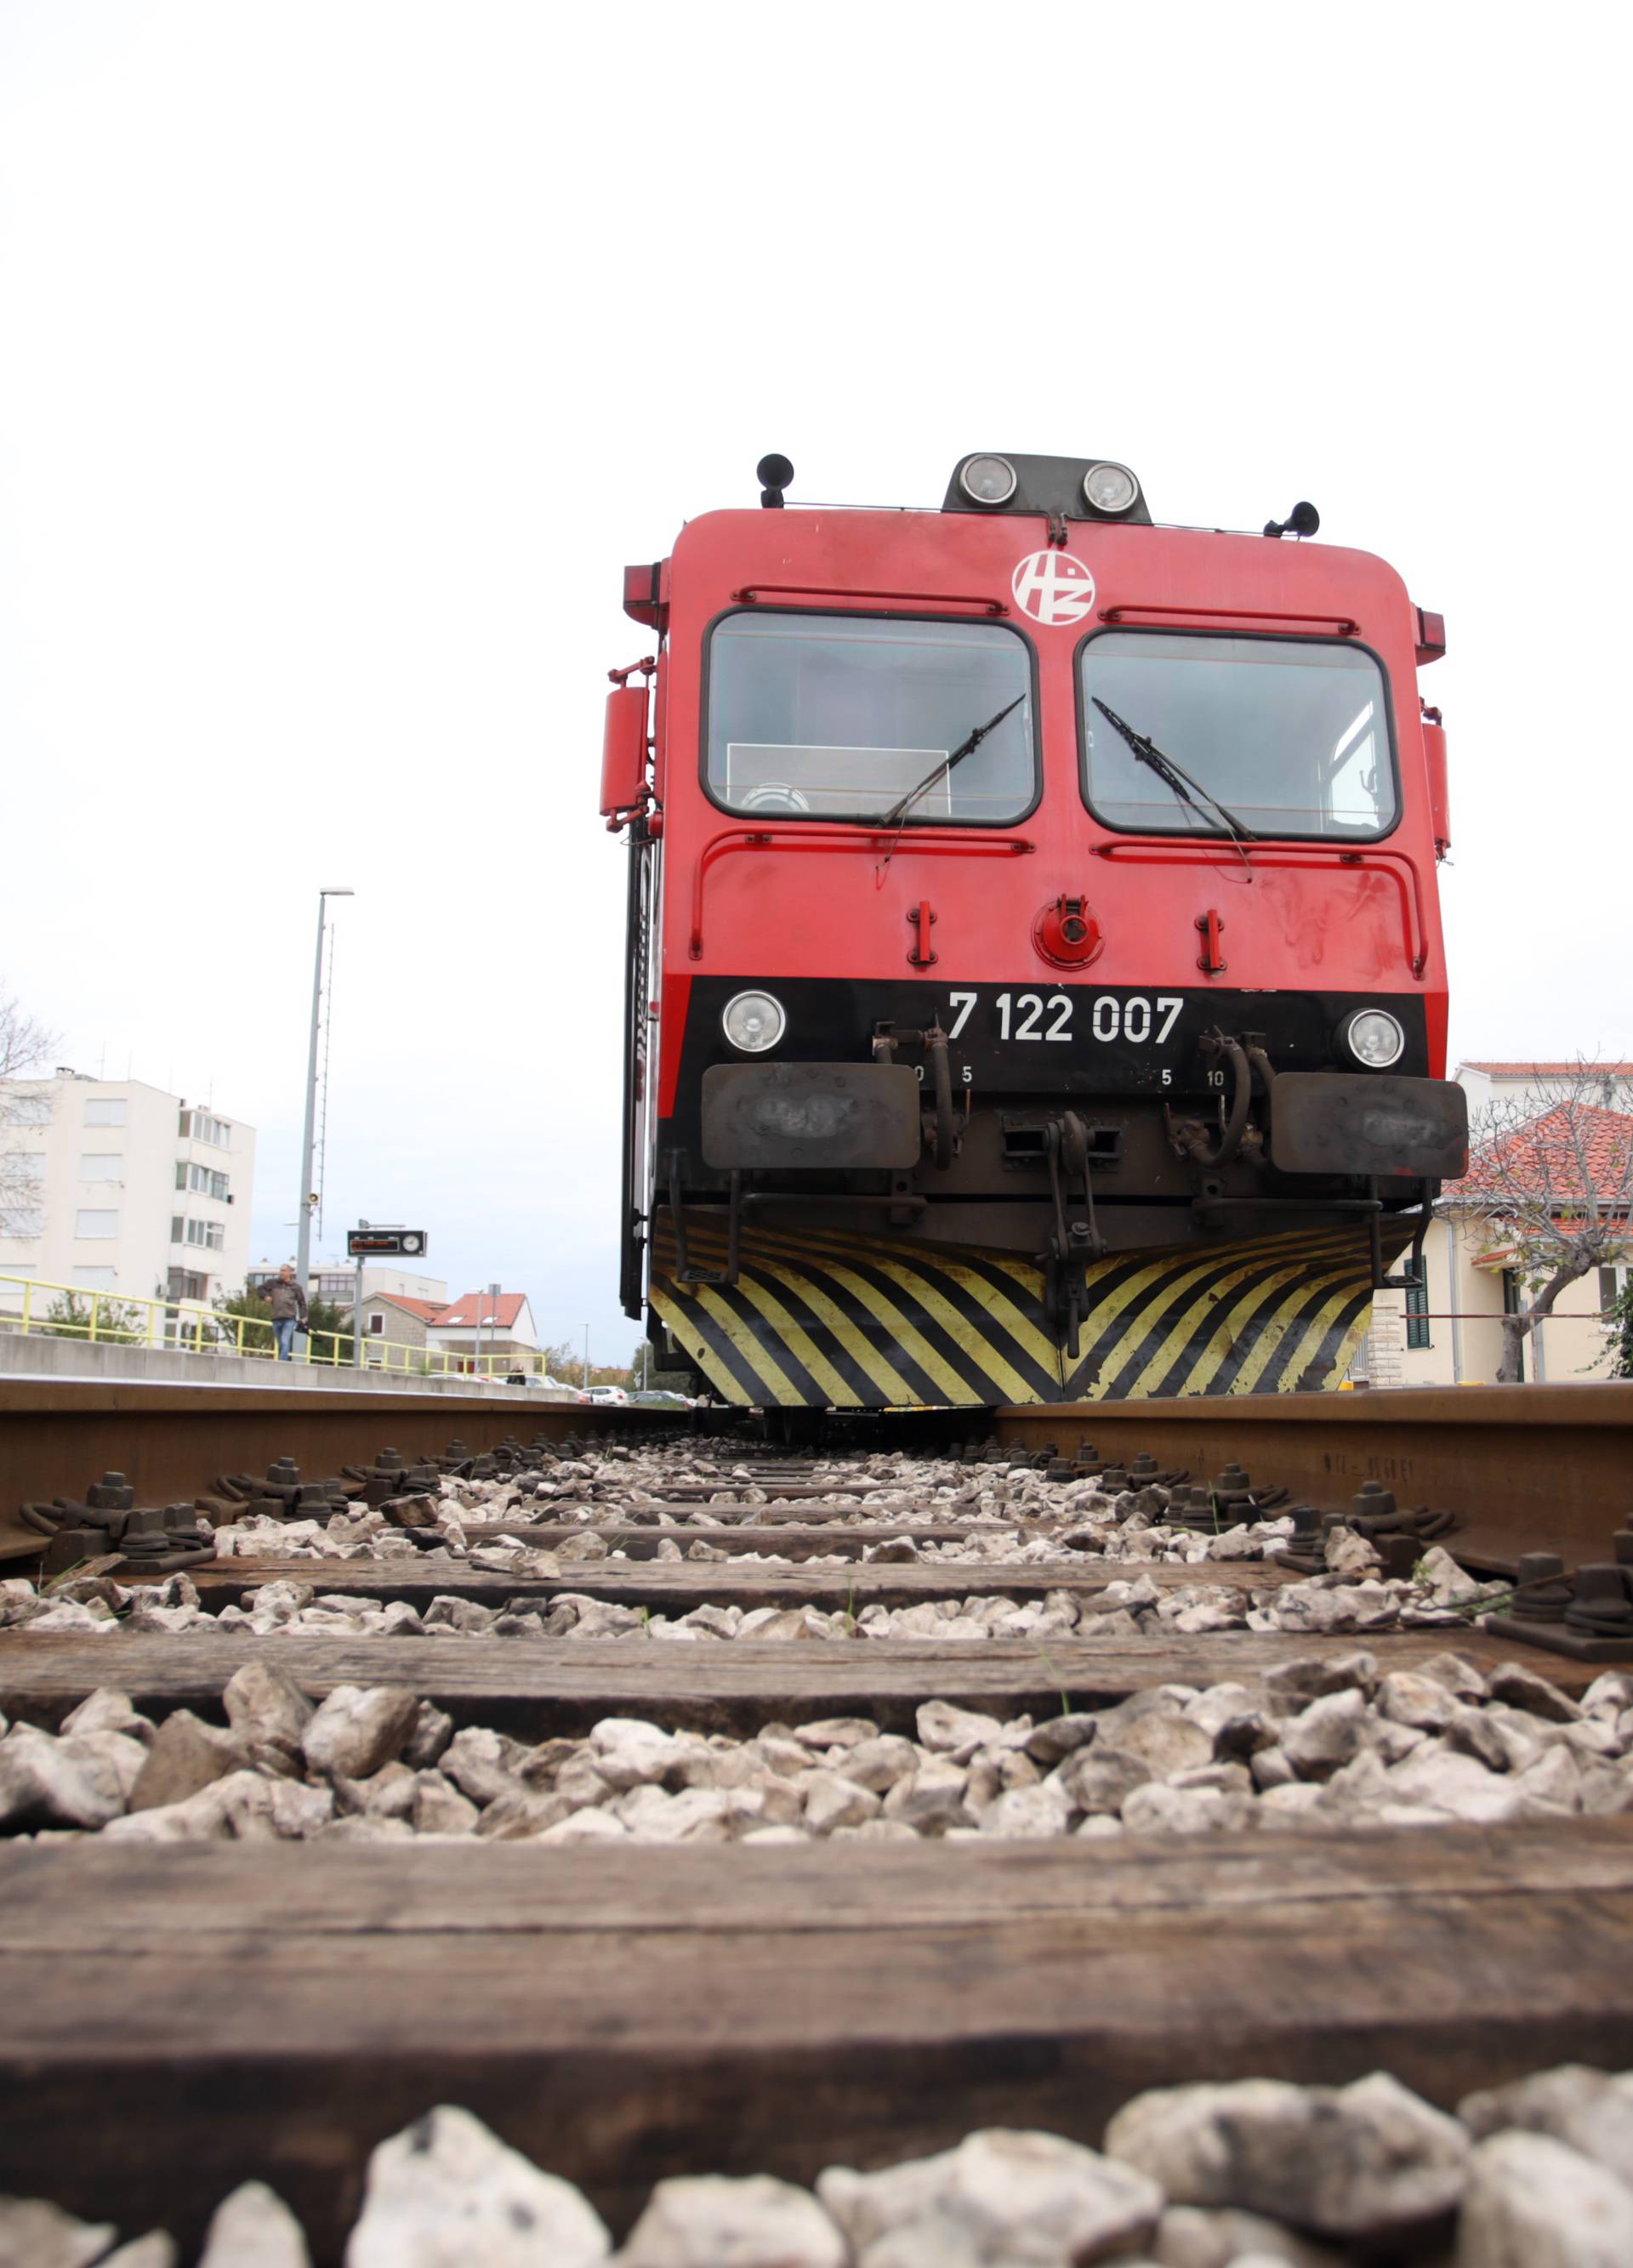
115 1319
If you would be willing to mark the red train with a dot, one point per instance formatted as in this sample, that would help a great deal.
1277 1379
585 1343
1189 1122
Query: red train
1035 983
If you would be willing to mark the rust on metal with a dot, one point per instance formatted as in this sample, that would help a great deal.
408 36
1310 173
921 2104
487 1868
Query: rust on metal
1526 1468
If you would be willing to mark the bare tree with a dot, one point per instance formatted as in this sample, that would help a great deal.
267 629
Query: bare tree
25 1044
1551 1180
23 1040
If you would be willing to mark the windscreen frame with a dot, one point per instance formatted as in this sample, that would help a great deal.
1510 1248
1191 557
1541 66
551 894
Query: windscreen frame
1213 830
864 615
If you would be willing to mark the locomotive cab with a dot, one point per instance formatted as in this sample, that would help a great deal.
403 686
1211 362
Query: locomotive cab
1035 984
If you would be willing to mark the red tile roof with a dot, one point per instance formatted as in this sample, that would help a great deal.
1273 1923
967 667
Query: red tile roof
1550 1069
1566 1151
423 1309
474 1308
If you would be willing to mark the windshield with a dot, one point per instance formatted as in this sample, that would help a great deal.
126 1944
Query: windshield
835 717
1290 736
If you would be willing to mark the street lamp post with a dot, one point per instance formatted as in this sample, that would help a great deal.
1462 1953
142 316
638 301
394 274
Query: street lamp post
303 1214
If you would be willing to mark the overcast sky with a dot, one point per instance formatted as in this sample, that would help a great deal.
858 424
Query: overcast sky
348 350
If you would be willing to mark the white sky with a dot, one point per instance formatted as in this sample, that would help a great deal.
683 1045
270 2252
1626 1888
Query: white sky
348 350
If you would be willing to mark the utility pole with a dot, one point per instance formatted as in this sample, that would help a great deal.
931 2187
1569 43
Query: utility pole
493 1299
357 1312
303 1211
586 1357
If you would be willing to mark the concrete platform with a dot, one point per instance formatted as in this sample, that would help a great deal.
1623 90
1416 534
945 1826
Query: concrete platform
34 1355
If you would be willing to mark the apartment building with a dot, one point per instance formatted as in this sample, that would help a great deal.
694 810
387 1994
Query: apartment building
112 1185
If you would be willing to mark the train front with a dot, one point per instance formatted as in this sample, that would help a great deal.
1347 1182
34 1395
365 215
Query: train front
1035 983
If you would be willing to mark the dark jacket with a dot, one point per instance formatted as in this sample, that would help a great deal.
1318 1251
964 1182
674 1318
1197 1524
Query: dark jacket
285 1301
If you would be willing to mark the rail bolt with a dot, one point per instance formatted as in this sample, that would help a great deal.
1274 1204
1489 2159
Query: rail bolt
1601 1607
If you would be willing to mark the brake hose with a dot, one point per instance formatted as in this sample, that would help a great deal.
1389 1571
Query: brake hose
1241 1095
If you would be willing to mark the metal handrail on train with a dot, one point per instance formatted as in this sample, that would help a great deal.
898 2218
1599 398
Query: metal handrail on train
926 841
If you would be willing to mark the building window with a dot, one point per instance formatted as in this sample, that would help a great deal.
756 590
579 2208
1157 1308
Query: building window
211 1233
203 1180
183 1284
25 1166
94 1279
335 1286
1612 1283
105 1111
1417 1315
21 1220
96 1224
199 1126
377 1325
27 1109
102 1166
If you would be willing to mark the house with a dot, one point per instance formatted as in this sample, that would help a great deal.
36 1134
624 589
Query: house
1448 1330
395 1318
476 1331
481 1326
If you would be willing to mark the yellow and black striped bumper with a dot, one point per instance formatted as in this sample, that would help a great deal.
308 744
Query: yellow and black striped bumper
819 1320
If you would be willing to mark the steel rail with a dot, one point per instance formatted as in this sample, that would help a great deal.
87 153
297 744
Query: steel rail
1526 1467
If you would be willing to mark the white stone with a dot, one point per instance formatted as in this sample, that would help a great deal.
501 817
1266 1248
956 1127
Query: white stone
266 1708
254 2228
948 1731
1164 1741
357 1729
833 1799
709 2221
1155 1809
837 1733
1410 1699
481 1763
108 1711
1533 2203
877 1763
1590 2110
696 1815
1196 2236
47 1782
1526 1689
199 1818
1002 2196
931 1799
630 1753
1028 1813
156 2250
1456 1783
1439 1573
126 1755
1325 1734
447 2193
441 1809
36 2234
1361 2161
585 1826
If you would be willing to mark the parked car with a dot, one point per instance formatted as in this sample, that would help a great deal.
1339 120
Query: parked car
607 1396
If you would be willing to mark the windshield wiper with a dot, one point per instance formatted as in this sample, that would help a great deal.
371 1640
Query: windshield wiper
894 818
1170 773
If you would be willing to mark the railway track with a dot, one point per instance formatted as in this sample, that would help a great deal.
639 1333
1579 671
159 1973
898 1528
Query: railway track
856 1892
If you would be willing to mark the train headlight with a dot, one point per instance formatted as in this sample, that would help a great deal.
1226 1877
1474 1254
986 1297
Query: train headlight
753 1022
1374 1038
987 480
1110 488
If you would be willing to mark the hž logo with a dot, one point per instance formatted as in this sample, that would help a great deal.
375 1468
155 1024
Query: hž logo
1052 587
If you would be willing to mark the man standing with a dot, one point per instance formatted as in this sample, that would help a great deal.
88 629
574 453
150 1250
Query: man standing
288 1303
